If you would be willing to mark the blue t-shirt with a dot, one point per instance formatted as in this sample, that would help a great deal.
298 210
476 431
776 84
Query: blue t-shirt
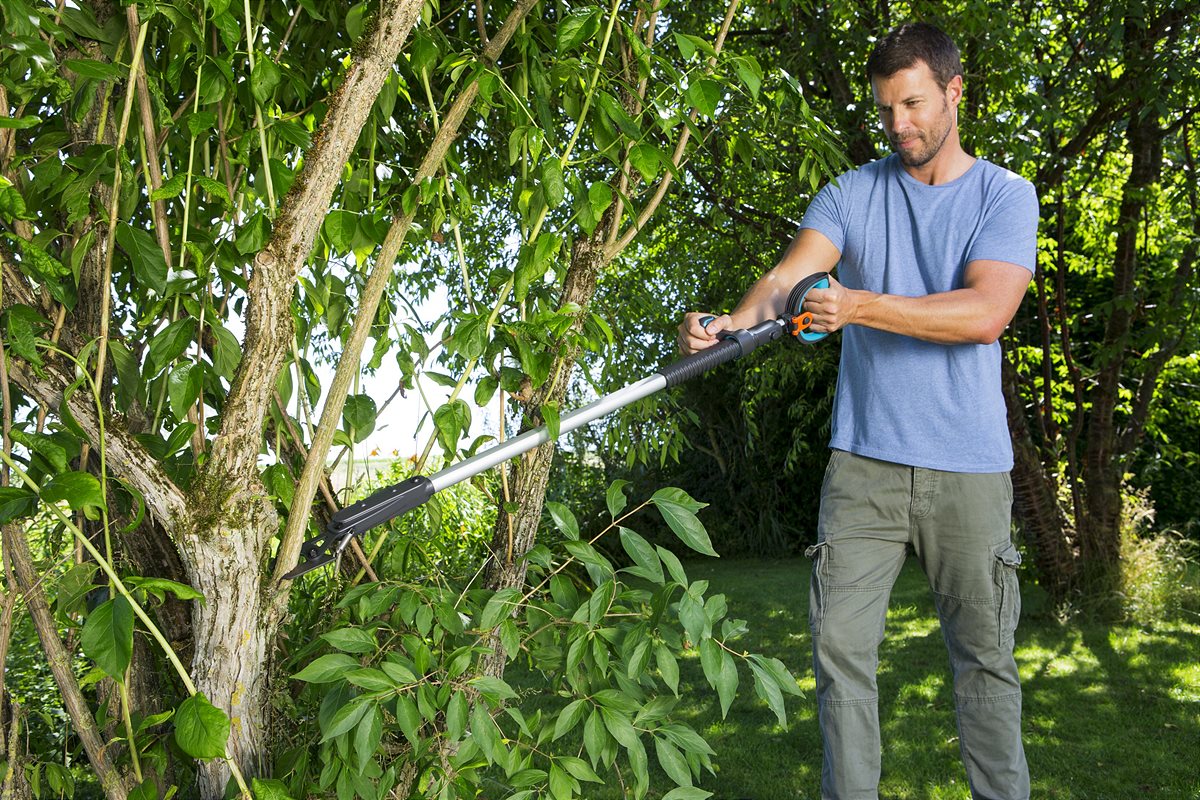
901 399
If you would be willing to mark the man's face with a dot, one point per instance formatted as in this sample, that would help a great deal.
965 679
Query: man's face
917 115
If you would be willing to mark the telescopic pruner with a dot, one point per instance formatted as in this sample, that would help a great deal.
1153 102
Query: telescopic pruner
392 501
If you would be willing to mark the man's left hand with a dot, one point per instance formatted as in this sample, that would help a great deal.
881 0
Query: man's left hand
832 309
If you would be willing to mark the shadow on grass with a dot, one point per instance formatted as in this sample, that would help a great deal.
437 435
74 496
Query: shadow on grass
1111 712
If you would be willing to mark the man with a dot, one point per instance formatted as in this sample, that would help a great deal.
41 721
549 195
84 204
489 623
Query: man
935 250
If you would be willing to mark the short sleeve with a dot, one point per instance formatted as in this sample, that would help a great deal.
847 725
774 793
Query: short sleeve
1009 229
827 212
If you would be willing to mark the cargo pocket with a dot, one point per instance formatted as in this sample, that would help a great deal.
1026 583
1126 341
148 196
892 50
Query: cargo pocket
816 588
1008 593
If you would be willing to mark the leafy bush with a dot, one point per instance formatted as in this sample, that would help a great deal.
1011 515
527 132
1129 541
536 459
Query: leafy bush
400 693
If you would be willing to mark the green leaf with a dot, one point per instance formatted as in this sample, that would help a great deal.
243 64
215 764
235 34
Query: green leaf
253 234
327 669
108 637
727 682
673 565
96 70
340 227
80 489
783 679
170 189
687 48
749 72
768 690
201 729
564 519
553 185
27 121
645 558
367 736
214 188
228 353
687 793
569 717
409 719
347 717
499 606
456 716
16 503
494 689
615 497
184 386
371 679
149 264
704 95
579 769
549 413
358 416
170 343
160 586
678 510
672 762
452 420
352 640
668 667
645 159
576 28
12 204
270 789
73 588
264 78
600 197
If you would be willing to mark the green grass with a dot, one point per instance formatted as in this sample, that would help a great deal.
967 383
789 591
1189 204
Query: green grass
1112 712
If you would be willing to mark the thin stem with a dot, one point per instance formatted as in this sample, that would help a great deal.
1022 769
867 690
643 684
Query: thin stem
114 203
258 118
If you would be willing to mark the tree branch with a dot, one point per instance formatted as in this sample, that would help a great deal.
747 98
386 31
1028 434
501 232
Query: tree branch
269 324
615 247
127 457
60 663
349 363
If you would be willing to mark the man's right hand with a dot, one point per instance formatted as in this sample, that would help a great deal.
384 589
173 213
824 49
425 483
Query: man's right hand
694 337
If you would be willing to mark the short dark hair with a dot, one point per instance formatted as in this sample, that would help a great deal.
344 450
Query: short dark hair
904 46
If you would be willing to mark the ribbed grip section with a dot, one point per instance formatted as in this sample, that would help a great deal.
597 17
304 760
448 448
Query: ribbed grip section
687 368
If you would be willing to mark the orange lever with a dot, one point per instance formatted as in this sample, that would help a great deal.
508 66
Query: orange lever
801 323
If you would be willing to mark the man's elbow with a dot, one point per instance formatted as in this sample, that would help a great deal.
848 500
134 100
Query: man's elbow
988 331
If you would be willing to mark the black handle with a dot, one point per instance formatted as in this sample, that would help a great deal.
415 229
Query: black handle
733 344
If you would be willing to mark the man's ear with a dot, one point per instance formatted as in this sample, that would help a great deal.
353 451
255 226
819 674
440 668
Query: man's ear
954 90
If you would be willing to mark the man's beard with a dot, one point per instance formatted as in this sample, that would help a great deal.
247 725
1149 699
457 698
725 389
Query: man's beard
922 156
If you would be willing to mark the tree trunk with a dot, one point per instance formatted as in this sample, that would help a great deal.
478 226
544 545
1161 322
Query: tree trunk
1103 464
1042 519
224 548
516 534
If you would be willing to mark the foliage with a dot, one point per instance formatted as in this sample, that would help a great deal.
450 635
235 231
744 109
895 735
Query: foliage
396 673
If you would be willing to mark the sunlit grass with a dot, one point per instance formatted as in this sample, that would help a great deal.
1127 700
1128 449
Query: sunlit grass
1111 712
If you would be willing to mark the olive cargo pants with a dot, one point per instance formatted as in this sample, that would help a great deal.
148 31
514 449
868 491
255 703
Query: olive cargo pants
958 525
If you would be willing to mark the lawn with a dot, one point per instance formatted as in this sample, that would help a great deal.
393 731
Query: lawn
1112 712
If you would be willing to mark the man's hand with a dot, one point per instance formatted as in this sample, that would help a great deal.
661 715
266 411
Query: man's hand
694 337
832 309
